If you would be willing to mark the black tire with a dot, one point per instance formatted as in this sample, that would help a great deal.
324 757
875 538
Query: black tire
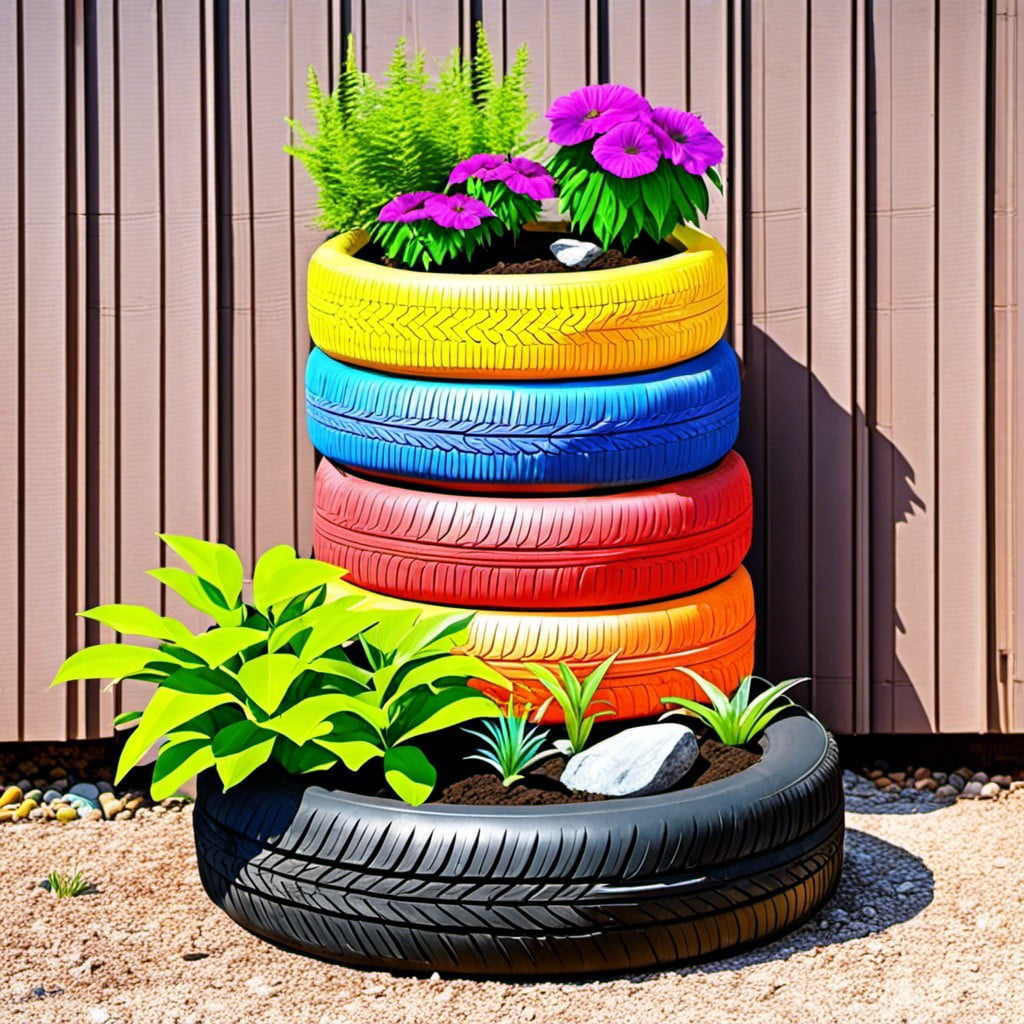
531 891
563 435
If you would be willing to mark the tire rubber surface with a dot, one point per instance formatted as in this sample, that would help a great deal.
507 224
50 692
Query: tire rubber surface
531 891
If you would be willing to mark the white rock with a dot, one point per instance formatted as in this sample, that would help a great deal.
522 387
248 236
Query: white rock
574 253
644 759
97 1015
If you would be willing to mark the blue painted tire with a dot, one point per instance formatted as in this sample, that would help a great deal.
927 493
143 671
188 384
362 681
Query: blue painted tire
549 436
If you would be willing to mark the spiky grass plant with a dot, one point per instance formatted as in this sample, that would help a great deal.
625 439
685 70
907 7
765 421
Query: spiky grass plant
736 720
510 745
374 142
574 697
67 885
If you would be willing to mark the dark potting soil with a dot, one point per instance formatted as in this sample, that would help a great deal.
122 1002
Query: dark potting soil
531 255
541 785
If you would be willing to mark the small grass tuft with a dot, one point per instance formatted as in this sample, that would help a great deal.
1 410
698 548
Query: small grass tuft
62 885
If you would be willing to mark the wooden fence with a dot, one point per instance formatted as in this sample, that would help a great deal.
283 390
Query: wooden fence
155 242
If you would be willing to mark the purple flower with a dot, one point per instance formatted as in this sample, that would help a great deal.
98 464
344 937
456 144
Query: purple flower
405 208
685 139
485 166
592 110
628 150
461 212
528 178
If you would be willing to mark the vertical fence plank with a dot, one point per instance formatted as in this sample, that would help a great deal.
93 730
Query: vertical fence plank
47 399
11 378
273 420
779 322
832 298
961 539
625 43
140 309
186 332
667 54
906 371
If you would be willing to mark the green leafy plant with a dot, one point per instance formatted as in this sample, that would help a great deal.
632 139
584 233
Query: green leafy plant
67 885
275 679
374 142
511 745
574 697
736 720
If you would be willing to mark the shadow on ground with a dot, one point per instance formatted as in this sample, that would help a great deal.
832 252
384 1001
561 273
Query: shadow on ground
882 885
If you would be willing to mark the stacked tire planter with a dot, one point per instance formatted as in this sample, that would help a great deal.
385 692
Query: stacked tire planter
552 452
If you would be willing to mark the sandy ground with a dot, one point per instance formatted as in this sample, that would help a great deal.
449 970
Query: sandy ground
927 928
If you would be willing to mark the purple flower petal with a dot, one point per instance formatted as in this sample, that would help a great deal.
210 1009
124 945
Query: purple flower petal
485 166
528 178
628 151
685 140
592 110
405 208
461 212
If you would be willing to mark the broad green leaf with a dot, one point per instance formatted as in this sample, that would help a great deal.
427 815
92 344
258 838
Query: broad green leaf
190 589
459 667
341 669
266 679
218 564
409 774
221 645
167 709
281 577
310 718
430 712
125 717
285 631
178 762
696 190
388 634
656 195
299 760
334 624
430 629
107 661
137 620
239 750
715 178
352 741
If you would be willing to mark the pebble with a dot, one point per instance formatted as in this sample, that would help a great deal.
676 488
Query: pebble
94 815
926 785
65 814
947 793
84 789
50 795
571 252
1002 781
957 781
990 790
940 777
979 777
11 795
97 1015
124 815
37 814
971 791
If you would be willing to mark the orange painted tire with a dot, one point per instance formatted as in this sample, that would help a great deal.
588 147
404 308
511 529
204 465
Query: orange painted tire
711 632
518 326
506 552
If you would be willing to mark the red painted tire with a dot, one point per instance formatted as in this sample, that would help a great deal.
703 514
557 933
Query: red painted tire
535 553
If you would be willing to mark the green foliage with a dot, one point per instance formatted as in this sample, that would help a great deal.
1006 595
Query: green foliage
619 210
422 242
273 679
374 142
511 209
574 698
68 885
510 745
737 720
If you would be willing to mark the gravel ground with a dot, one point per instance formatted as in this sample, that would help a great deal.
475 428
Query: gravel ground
927 928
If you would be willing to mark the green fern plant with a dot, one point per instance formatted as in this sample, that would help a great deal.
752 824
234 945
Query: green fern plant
373 142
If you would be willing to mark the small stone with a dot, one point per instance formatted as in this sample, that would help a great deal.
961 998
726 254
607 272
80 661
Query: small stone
435 977
11 795
965 773
84 789
37 814
110 805
892 788
904 887
104 787
989 791
58 773
25 808
124 815
940 777
94 815
134 803
922 773
97 1015
897 776
7 813
24 785
875 773
35 794
958 781
50 795
979 777
947 792
195 955
1002 781
574 253
158 810
61 785
868 912
643 759
883 781
926 785
65 814
1016 785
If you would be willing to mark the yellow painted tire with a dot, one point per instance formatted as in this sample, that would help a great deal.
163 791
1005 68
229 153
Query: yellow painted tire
711 631
539 326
